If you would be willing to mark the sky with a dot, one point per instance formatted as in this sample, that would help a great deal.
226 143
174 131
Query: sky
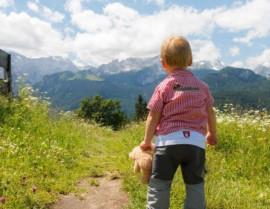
94 32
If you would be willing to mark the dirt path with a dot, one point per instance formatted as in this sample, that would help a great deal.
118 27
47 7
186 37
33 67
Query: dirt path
100 193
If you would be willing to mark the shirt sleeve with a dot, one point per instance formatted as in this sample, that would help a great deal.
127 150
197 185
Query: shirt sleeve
156 102
209 98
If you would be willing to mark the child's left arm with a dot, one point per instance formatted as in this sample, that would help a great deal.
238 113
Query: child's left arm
150 128
211 135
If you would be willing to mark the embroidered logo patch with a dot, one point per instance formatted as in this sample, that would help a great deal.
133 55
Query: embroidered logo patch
178 87
186 134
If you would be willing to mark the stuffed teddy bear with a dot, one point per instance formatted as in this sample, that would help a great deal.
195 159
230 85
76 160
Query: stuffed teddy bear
142 162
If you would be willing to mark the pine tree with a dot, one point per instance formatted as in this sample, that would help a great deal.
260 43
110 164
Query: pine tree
140 108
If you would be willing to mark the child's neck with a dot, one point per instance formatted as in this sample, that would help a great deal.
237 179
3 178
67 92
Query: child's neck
173 69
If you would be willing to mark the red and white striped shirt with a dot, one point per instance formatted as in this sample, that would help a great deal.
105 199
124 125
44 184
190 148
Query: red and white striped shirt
183 99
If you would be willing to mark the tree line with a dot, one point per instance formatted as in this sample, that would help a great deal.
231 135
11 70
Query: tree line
108 112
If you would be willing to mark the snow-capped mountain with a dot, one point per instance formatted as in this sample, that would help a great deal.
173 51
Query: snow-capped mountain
136 64
33 69
263 70
203 64
130 64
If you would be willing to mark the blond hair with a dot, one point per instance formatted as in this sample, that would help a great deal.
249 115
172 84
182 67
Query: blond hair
176 51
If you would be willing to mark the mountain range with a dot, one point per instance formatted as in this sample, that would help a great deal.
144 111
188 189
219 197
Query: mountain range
66 84
33 69
228 85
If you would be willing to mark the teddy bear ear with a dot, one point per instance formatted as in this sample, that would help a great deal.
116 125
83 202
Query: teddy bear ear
131 155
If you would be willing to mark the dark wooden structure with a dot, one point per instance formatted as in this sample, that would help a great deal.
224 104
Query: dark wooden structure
6 81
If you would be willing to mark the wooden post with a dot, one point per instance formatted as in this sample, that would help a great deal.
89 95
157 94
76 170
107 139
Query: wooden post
5 63
9 76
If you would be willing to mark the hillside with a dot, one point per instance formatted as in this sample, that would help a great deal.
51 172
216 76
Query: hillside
239 86
67 84
229 85
44 155
33 69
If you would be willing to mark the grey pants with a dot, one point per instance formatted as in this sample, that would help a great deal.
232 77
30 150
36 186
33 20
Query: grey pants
166 161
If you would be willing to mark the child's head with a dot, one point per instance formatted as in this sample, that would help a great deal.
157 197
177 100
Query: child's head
176 52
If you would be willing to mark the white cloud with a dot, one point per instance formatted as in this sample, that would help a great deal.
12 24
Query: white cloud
45 12
262 59
234 51
121 32
74 6
53 16
6 3
36 37
120 14
204 50
157 2
90 21
251 17
114 16
239 64
33 6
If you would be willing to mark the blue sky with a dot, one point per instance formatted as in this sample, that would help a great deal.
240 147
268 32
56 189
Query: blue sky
93 32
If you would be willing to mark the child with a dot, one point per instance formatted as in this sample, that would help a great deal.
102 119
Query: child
181 116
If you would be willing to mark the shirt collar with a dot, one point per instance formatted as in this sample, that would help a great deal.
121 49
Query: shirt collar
181 72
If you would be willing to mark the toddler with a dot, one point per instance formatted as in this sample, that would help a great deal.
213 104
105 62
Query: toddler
181 116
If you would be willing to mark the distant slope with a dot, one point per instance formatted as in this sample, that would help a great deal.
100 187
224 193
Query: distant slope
33 69
229 85
67 89
233 79
239 86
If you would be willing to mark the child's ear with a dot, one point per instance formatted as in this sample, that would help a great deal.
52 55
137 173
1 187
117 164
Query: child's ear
163 63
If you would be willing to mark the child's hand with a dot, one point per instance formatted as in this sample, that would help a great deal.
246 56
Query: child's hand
145 146
211 139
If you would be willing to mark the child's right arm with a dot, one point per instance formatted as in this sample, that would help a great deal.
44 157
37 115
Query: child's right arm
150 128
211 135
155 107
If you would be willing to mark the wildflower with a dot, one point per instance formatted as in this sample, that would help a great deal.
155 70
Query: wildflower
2 200
34 189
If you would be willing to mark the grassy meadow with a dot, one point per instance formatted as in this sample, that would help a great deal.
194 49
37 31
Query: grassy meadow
43 155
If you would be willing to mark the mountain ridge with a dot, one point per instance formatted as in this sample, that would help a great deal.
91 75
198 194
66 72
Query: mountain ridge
230 85
34 69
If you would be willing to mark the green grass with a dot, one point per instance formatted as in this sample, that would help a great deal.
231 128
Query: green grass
238 168
50 153
44 152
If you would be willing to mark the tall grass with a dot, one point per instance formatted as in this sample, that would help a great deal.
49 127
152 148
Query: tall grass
45 154
238 169
42 157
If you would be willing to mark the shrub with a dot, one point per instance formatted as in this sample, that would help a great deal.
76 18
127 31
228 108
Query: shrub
106 112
